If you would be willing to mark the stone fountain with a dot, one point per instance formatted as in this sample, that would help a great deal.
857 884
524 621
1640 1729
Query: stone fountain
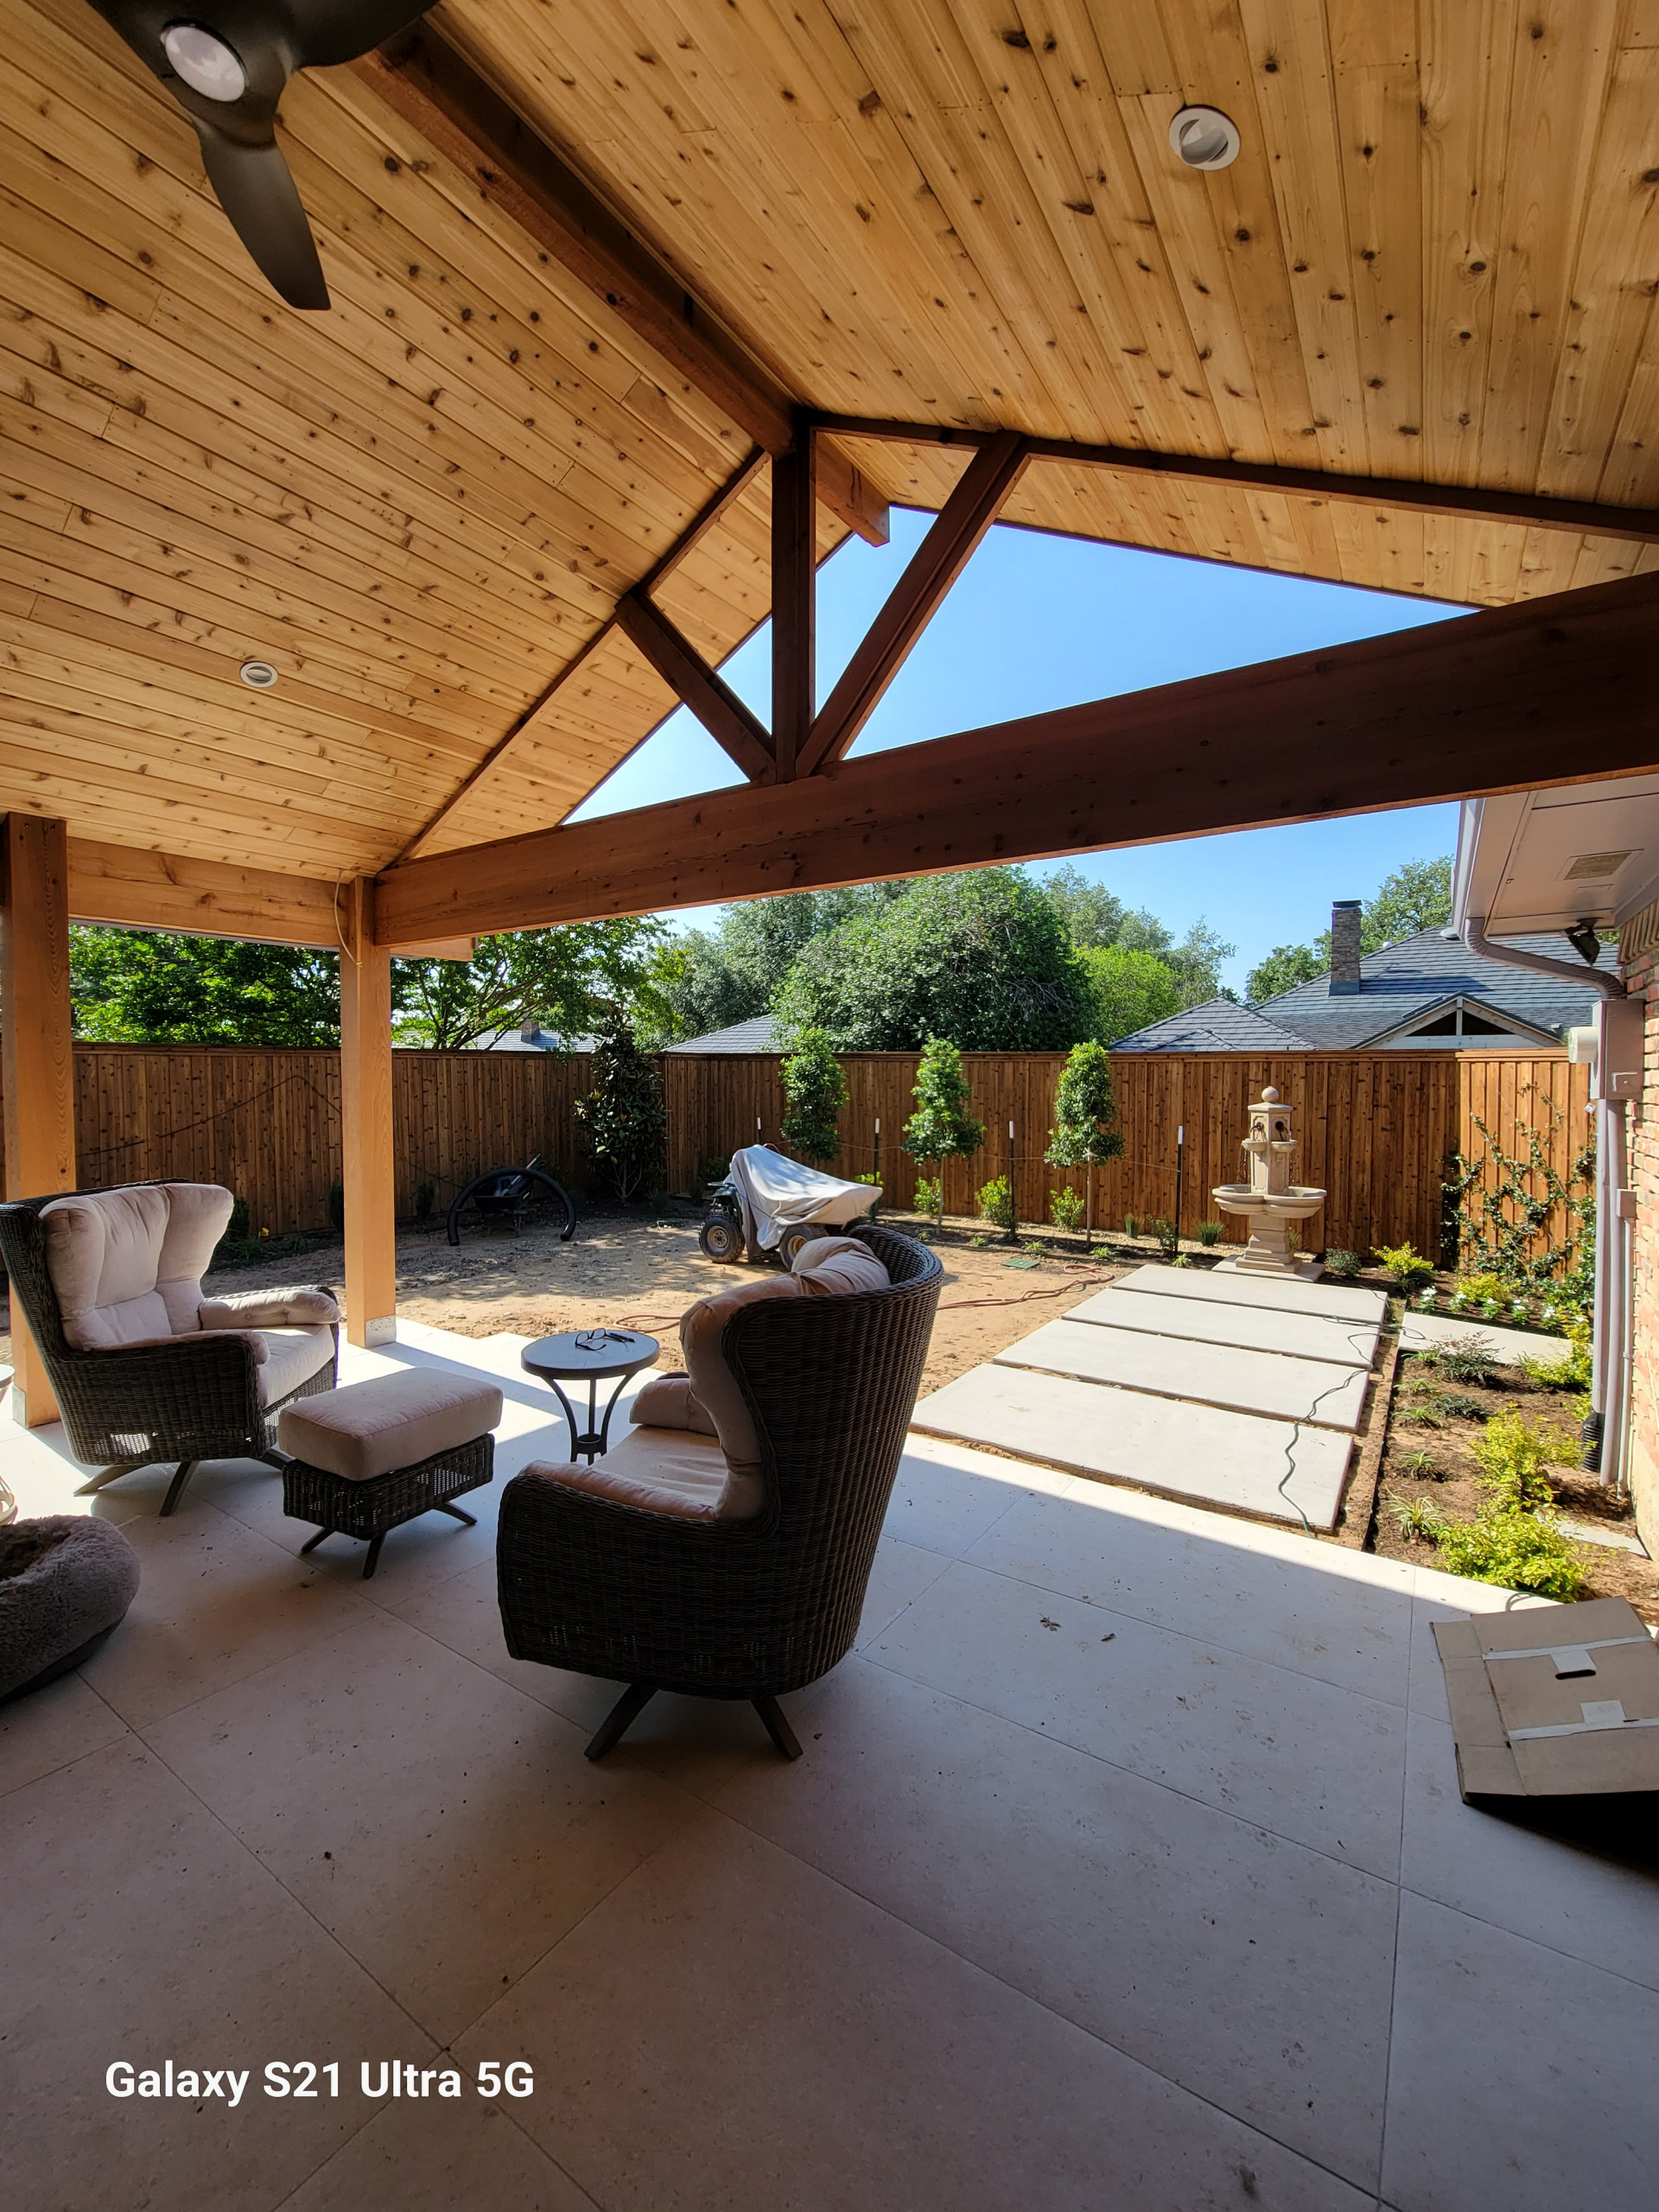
1270 1202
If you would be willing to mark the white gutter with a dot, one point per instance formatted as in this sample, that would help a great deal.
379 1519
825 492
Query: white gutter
1611 1318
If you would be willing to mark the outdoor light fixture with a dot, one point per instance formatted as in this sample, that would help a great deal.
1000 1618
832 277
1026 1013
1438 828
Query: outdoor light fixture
257 675
1204 138
206 63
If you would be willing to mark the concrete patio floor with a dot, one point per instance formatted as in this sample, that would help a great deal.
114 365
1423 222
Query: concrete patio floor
1125 1870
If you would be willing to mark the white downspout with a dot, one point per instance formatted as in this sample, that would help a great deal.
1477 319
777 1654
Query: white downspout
1610 1318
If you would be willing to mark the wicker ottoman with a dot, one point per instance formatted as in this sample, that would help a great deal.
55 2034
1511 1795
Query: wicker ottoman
374 1454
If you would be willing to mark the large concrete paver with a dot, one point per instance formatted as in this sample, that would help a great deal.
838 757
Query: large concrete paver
1177 1449
1211 1375
1340 1301
1206 1321
1435 1331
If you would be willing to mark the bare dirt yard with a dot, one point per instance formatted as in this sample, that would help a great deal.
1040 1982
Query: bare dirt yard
642 1267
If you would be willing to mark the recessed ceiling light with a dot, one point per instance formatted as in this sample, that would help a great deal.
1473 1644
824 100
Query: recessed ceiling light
204 61
257 675
1204 138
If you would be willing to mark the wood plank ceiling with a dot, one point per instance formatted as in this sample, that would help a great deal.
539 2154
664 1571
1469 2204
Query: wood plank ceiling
1435 259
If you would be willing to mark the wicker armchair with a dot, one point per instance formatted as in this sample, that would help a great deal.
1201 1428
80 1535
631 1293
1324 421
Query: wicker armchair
750 1609
202 1394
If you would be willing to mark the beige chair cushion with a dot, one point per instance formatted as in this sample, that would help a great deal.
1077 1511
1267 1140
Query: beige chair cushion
276 1308
291 1356
661 1471
127 1265
396 1420
669 1402
837 1266
714 1386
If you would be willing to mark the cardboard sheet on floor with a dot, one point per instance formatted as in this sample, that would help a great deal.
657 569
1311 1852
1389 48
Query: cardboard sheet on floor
1553 1703
1200 1453
1219 1374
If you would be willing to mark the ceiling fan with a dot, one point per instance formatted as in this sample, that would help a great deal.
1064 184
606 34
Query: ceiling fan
227 74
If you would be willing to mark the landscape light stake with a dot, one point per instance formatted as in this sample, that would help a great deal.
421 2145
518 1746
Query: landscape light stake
1014 1203
875 1156
1181 1159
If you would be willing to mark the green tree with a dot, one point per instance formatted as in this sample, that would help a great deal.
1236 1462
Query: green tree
1092 914
982 957
134 986
564 978
1096 919
815 1090
1086 1134
1130 989
1416 896
942 1128
710 980
625 1119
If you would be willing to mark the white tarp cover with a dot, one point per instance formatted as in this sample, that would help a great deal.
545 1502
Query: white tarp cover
777 1193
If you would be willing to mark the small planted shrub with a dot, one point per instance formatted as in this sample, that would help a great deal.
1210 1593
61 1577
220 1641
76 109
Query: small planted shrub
930 1197
1471 1360
815 1090
942 1128
1423 1467
625 1121
1445 1405
1065 1209
1168 1237
997 1202
1209 1234
1418 1519
1342 1265
1131 1224
425 1196
1405 1266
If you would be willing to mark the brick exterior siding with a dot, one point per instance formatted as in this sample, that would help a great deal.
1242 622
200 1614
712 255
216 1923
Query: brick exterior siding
1639 964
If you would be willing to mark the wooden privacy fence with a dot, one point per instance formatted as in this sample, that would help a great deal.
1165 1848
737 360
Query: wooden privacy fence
1377 1130
266 1124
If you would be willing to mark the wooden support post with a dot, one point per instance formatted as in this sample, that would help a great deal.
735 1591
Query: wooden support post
36 1058
794 602
366 1121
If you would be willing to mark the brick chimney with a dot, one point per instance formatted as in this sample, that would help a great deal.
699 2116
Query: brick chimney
1345 978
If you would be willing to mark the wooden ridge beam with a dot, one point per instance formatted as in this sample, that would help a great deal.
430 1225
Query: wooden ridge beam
940 558
682 668
1464 503
436 89
1556 690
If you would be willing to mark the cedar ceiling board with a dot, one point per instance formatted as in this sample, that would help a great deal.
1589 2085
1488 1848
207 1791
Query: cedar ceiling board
1388 328
355 527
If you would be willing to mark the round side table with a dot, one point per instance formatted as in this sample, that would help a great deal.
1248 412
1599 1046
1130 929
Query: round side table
592 1356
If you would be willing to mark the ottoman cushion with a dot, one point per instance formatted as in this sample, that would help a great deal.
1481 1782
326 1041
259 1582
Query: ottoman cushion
63 1580
396 1420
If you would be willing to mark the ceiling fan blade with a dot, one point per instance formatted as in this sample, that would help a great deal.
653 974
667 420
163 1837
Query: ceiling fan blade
327 32
257 192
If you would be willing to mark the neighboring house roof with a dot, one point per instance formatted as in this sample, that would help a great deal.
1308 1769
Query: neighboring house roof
1218 1025
537 1040
1413 979
1420 982
760 1035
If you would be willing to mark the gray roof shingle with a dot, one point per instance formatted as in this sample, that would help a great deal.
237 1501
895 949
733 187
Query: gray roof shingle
1218 1025
1407 980
758 1036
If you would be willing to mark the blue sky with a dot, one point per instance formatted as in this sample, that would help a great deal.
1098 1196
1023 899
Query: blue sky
1036 622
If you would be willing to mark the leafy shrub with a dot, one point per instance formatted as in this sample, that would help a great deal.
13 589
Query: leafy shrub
1445 1405
1472 1359
716 1168
941 1127
996 1204
1131 1226
930 1197
1423 1467
1342 1264
1182 1260
1512 1453
1085 1134
1522 1551
626 1123
1405 1266
425 1196
1167 1236
1065 1209
1572 1373
1209 1234
1418 1518
815 1090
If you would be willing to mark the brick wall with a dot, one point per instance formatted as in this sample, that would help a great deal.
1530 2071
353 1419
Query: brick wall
1639 962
